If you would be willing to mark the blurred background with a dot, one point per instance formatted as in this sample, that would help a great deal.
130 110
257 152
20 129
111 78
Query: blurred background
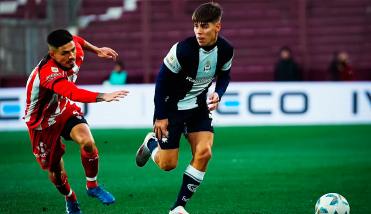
143 31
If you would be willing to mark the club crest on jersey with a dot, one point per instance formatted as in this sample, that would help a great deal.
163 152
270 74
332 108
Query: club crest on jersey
54 69
207 67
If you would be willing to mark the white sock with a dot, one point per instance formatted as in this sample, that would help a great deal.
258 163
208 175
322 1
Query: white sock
195 173
153 155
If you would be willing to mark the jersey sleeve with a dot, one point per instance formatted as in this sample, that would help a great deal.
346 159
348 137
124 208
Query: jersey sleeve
80 40
227 65
171 61
68 89
164 82
224 77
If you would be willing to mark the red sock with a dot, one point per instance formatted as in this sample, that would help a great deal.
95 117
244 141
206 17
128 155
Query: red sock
90 164
63 186
71 196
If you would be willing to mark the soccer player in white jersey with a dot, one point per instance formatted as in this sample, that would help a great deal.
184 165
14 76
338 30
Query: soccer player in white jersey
181 102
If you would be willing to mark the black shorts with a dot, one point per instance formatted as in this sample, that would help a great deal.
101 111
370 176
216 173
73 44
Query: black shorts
186 121
72 122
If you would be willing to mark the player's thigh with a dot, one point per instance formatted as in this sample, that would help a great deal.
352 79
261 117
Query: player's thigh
81 134
200 131
201 141
168 157
77 129
175 129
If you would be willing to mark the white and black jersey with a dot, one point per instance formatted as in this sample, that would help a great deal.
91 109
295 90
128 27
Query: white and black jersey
188 71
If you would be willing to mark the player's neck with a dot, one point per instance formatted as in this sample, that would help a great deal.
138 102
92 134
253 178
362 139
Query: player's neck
210 46
61 66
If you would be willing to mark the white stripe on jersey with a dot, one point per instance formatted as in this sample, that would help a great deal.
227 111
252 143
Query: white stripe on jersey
227 65
51 119
34 93
75 70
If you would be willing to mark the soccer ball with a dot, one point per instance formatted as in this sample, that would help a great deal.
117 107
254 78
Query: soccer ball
332 203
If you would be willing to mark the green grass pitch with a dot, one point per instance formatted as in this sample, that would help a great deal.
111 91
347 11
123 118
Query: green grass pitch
254 170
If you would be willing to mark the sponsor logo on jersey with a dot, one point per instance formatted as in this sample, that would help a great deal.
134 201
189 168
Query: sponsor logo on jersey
53 76
190 79
42 150
192 187
200 80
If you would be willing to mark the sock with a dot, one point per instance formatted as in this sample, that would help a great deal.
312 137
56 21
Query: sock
63 187
152 144
191 180
90 164
153 154
71 196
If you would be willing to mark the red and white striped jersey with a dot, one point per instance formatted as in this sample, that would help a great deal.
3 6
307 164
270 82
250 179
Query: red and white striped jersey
44 107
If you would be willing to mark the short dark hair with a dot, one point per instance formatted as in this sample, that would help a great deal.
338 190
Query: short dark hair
208 12
59 38
286 48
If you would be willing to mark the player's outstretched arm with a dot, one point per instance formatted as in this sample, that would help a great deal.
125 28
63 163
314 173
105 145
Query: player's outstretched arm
103 52
114 96
67 89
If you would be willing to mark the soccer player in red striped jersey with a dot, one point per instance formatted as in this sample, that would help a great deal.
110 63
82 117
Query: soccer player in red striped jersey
51 113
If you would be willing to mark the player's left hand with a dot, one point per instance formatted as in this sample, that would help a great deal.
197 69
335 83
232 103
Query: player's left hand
107 53
213 101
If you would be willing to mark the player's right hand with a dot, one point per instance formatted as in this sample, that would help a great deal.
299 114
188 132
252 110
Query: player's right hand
160 128
114 96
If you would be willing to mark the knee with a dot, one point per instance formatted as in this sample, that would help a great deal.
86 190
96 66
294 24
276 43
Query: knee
167 165
88 145
204 154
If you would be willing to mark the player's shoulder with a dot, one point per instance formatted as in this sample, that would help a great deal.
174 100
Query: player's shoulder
224 44
48 69
188 43
187 47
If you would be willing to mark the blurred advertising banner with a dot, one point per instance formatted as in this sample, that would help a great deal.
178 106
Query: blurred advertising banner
244 104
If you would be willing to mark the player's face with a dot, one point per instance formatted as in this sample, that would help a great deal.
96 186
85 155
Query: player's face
206 33
65 55
285 55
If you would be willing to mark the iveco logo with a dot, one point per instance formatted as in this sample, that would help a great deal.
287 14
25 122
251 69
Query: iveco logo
231 103
10 108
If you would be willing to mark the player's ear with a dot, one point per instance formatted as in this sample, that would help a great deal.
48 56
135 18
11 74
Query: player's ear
51 53
51 50
218 26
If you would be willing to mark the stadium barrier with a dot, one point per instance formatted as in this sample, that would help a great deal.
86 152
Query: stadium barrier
244 104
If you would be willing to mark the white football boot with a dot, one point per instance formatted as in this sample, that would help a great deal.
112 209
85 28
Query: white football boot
178 210
143 153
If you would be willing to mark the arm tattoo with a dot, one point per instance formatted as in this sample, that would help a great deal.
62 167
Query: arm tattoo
100 97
